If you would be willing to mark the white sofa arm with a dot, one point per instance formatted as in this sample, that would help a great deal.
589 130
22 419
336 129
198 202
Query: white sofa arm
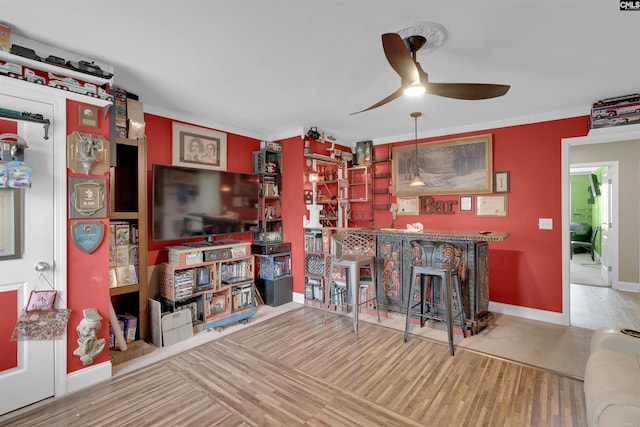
616 339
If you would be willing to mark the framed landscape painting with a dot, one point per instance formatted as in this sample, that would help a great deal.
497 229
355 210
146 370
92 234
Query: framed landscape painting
453 166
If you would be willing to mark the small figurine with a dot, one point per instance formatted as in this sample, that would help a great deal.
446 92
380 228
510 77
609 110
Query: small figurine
88 345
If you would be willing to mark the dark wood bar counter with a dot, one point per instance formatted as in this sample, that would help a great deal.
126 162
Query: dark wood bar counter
394 258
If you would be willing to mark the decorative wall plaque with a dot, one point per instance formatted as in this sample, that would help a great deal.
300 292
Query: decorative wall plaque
87 197
88 116
87 153
87 235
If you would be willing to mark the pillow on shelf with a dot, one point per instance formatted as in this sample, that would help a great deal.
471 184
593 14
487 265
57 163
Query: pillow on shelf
41 301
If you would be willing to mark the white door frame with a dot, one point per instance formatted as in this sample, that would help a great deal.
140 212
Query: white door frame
57 136
598 136
614 167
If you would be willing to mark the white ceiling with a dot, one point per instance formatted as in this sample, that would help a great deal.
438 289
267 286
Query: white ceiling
269 68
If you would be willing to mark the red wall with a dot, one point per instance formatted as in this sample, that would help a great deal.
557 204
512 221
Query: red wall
526 269
87 274
158 131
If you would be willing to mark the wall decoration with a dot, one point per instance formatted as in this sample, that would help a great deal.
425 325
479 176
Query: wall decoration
407 206
198 147
501 182
88 116
87 153
466 203
89 345
10 224
87 235
491 206
454 166
87 197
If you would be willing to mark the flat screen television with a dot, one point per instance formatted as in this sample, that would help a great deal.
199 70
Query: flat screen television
190 202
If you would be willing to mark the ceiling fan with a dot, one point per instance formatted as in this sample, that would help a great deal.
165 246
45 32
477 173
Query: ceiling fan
401 55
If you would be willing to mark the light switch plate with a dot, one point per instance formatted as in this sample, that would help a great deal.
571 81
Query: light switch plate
545 223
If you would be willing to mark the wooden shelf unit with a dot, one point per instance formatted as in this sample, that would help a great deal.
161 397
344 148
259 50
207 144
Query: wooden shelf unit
216 281
128 202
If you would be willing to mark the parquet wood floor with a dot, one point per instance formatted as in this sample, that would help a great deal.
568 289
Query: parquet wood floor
292 371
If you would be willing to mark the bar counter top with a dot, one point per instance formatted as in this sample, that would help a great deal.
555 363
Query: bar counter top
440 235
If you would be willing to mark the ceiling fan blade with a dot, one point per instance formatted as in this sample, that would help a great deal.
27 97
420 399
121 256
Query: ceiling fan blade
389 98
467 90
399 57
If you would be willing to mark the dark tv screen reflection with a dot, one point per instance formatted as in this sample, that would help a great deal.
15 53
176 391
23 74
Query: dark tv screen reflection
190 202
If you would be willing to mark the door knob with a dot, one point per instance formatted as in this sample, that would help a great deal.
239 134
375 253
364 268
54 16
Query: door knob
42 266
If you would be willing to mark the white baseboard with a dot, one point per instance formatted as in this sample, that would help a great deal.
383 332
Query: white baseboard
88 376
298 297
628 286
527 313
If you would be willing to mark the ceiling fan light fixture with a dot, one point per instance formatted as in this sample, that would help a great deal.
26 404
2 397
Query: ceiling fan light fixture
415 89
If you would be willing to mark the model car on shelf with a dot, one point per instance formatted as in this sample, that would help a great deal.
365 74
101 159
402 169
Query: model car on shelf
89 68
72 85
19 72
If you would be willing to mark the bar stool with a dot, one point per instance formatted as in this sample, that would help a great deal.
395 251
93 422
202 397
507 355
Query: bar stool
350 252
437 271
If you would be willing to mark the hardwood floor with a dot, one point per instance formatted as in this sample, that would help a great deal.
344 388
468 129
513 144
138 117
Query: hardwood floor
290 370
594 305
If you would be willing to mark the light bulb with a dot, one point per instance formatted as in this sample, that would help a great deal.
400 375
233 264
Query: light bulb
415 89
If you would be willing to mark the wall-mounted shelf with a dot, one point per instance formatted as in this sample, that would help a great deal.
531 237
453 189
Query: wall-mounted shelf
55 69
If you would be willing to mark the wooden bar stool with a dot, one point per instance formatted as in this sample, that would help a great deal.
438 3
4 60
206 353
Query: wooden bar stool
351 252
440 299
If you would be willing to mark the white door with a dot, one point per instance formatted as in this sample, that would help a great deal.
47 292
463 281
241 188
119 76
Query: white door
32 376
605 228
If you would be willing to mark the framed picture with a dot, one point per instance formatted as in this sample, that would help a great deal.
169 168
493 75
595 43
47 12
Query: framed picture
466 203
454 166
491 206
408 205
501 182
10 228
198 147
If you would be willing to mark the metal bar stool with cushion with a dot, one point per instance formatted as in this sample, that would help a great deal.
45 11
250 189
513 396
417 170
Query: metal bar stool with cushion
350 254
436 271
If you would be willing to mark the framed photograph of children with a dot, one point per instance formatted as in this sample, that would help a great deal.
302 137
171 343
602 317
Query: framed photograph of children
501 182
198 147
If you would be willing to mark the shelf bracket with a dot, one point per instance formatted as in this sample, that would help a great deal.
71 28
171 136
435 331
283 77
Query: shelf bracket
27 117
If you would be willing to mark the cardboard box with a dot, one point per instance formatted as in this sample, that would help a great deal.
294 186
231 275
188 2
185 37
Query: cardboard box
176 327
130 326
20 174
112 335
5 38
4 177
180 256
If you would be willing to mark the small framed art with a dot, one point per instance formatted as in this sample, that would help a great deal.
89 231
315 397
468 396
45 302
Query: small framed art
501 182
466 203
408 206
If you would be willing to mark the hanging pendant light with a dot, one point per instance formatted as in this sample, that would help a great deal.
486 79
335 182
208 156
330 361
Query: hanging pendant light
417 180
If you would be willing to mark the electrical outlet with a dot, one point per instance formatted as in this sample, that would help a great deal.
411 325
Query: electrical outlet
545 223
